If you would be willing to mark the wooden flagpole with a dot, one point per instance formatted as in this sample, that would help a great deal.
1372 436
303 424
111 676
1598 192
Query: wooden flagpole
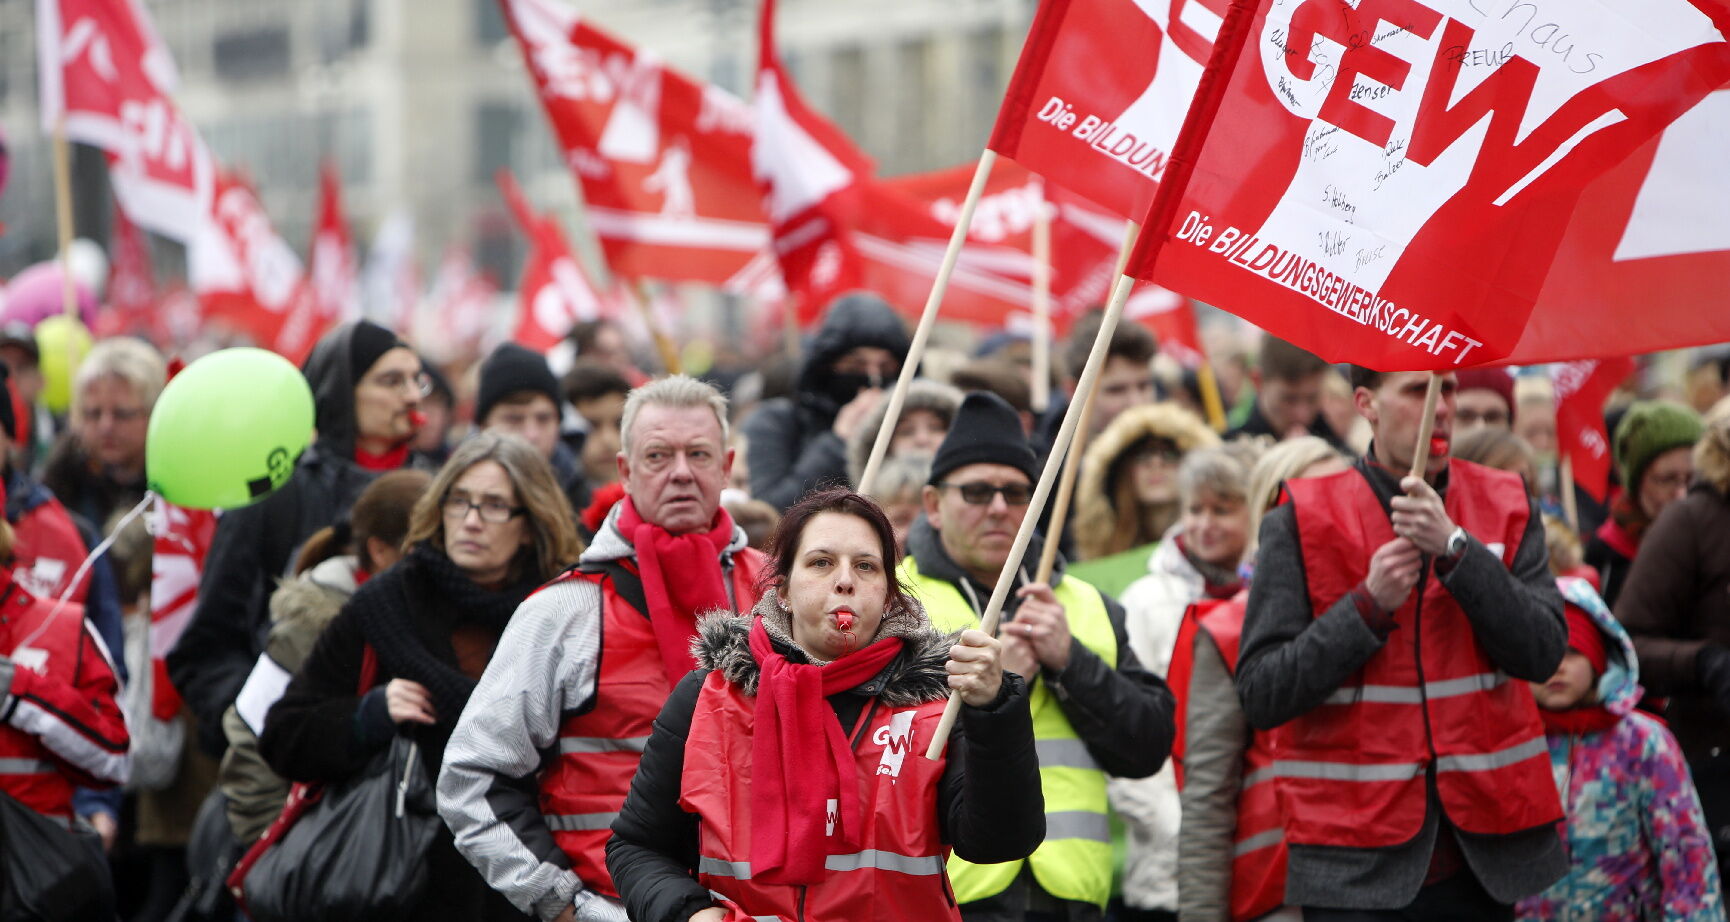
1211 401
1570 502
1072 460
1041 397
1421 451
63 217
1041 492
1210 91
663 345
927 320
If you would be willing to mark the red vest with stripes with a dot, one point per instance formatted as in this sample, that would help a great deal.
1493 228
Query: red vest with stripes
599 747
898 872
1258 861
27 768
1352 770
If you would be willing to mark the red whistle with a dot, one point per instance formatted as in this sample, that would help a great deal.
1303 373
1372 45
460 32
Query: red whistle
1438 445
844 620
416 418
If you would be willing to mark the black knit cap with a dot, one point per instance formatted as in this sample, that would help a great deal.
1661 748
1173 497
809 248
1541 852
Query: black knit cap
512 369
986 430
366 344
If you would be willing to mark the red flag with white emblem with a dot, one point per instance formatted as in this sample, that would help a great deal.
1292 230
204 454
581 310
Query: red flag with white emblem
244 273
663 160
1100 92
555 293
104 70
1388 182
181 541
131 283
331 271
1581 390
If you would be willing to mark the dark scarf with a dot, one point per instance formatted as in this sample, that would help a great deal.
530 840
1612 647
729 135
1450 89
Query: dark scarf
420 601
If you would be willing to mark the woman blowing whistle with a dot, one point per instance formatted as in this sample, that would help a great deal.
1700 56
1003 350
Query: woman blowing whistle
786 777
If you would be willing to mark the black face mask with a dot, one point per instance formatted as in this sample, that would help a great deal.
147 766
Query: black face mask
842 387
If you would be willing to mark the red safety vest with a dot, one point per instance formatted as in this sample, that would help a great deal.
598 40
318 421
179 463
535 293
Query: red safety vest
1258 861
1352 771
898 872
28 769
599 748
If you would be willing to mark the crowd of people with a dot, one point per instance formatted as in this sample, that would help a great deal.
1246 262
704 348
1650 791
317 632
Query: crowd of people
662 656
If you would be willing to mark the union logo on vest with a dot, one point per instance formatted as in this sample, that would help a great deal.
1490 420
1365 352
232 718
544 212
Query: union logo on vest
896 737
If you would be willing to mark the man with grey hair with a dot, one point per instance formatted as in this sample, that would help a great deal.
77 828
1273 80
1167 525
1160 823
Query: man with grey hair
544 754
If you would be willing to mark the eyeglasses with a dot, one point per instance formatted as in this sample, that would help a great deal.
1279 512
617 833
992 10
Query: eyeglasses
419 383
492 509
1165 453
980 494
118 414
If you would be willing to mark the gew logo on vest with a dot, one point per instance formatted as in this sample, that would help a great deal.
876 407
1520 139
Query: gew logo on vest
896 737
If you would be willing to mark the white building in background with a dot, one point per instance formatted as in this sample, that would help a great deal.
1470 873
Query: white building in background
420 101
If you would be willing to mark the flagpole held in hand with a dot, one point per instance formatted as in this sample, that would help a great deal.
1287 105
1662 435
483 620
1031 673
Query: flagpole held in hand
1041 397
1029 523
1421 451
927 321
1570 503
1072 458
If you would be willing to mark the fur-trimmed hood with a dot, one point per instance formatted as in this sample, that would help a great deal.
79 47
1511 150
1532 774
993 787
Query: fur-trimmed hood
1100 466
922 394
916 676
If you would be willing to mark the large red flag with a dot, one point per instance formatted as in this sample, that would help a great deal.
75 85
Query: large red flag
663 160
103 69
1100 92
1388 183
1581 390
838 227
555 293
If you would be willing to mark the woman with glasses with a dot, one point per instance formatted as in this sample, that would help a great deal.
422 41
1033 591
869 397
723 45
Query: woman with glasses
1653 449
490 529
367 385
1126 498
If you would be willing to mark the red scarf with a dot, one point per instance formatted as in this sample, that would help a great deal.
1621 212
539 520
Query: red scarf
801 763
389 461
1578 721
693 561
1623 539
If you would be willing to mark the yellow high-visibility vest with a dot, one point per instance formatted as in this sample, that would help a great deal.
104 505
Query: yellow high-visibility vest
1074 862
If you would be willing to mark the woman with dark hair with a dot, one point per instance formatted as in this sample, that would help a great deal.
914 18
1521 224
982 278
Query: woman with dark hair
788 770
333 563
491 527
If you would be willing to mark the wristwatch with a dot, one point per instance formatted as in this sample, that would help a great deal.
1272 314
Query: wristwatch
1457 543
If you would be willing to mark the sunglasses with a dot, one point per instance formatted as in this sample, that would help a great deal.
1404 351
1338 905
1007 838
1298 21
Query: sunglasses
980 494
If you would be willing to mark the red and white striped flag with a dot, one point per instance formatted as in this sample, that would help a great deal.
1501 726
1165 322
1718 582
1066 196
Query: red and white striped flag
245 273
181 541
555 293
331 269
131 283
663 160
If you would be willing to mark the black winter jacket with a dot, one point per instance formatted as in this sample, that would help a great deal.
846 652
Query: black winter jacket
789 441
987 816
254 547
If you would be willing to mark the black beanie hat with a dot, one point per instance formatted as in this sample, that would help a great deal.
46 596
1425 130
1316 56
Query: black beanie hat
986 430
512 369
368 342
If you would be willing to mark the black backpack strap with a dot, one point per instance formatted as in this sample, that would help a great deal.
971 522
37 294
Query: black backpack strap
627 584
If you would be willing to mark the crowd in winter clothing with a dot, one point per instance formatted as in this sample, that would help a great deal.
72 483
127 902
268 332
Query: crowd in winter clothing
661 650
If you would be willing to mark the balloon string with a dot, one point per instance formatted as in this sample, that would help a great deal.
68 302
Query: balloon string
83 568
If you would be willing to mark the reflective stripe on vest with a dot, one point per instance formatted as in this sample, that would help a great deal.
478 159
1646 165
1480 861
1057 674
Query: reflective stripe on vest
599 749
869 859
1074 862
1431 696
1258 853
25 767
893 870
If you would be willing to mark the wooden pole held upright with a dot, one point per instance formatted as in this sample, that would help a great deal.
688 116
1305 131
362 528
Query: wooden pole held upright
927 320
1041 491
63 216
1041 342
1421 451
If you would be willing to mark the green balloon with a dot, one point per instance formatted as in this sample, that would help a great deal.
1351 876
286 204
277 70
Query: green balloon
228 429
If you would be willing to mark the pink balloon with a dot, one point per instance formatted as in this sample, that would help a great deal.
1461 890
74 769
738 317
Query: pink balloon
35 295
